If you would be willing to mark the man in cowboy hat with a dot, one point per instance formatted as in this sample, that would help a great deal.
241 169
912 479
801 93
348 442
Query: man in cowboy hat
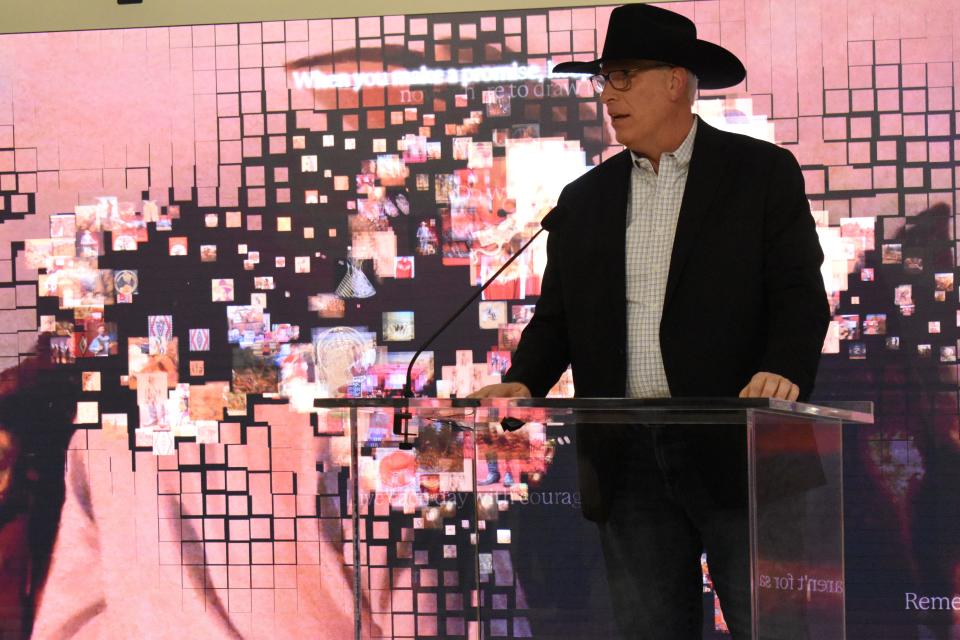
687 265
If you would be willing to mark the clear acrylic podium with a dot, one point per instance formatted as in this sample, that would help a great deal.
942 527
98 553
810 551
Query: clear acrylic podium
463 529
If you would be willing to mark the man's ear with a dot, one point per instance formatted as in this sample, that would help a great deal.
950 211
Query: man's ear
678 83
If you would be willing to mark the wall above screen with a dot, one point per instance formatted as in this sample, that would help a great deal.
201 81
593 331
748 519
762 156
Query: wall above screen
21 16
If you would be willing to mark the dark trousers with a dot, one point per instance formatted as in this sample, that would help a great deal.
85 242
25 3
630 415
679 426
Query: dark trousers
662 517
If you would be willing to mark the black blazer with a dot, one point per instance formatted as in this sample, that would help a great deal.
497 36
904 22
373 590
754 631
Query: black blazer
744 291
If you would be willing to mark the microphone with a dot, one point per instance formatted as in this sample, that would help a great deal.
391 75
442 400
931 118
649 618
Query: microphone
511 424
401 417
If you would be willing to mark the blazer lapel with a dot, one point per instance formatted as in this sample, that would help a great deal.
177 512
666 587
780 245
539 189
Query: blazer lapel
707 165
611 236
612 228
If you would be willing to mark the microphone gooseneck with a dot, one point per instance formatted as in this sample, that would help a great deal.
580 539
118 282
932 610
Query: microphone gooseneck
402 416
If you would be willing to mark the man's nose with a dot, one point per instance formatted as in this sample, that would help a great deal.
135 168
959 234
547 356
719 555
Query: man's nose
607 94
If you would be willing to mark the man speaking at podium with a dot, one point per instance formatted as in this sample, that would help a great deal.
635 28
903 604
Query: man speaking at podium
686 265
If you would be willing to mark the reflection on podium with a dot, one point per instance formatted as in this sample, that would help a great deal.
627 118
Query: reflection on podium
477 531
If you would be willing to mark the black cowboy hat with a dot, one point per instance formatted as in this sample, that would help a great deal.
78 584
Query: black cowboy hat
645 32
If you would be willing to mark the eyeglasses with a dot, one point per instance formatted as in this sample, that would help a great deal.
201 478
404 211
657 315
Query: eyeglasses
619 79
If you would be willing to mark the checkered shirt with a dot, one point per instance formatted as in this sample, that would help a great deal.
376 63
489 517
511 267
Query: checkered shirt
652 214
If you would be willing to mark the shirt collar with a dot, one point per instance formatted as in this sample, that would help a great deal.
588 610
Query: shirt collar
681 155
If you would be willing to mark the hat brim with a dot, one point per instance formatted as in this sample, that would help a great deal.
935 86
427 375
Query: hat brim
714 66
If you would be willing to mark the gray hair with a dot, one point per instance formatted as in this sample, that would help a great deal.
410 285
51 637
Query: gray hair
692 86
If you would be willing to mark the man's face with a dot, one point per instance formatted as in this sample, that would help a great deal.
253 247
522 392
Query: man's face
638 112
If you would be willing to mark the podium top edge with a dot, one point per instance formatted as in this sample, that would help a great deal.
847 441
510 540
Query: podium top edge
855 412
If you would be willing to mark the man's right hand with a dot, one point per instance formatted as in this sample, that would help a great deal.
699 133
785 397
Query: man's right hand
502 390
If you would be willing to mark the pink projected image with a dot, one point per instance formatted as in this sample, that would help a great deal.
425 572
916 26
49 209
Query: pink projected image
219 224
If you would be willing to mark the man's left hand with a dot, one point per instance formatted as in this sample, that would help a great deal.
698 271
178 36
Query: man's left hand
770 385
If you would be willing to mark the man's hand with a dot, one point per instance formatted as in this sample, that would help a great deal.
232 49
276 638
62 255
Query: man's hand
770 385
502 390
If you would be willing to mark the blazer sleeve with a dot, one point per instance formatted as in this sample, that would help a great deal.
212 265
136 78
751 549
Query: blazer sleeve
796 301
543 353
